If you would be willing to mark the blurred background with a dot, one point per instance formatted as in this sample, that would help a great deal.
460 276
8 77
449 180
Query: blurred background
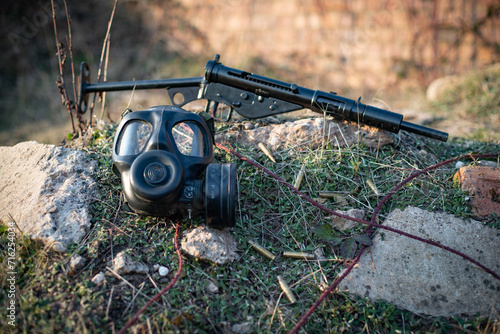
388 52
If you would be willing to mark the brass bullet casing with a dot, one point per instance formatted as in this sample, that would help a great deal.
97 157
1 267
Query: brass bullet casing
286 289
264 252
327 194
299 255
266 151
300 177
373 187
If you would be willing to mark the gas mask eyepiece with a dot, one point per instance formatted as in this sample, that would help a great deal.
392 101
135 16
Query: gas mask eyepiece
163 156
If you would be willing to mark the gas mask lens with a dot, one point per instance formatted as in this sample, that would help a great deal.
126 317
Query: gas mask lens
189 139
163 156
134 137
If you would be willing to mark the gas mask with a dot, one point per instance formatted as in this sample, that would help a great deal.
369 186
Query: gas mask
163 156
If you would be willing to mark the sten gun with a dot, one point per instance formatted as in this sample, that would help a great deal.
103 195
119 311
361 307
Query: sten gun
255 96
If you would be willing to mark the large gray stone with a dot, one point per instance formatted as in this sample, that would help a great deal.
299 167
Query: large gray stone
426 279
47 191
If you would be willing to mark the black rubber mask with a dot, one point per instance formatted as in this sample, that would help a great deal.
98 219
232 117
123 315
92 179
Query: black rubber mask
163 155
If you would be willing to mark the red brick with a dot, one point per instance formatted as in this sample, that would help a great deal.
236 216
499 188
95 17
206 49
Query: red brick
483 185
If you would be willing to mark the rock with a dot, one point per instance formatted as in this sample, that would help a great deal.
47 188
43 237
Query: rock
429 280
47 190
243 328
249 125
77 262
98 279
346 224
211 287
123 264
483 185
486 163
441 86
309 134
163 271
209 244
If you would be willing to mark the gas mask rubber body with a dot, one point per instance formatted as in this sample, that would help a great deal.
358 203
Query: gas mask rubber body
163 156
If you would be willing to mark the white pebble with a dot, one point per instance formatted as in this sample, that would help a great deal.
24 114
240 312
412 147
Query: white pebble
459 164
163 271
98 279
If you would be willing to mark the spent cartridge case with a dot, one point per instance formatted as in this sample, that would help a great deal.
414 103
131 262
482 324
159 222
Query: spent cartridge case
266 151
264 252
300 177
286 289
299 255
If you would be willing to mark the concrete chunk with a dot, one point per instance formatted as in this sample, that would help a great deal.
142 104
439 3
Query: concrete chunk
429 280
47 191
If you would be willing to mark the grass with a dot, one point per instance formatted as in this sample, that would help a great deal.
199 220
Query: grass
473 98
53 298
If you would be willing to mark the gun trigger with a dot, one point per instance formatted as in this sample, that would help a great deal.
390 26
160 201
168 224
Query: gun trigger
232 104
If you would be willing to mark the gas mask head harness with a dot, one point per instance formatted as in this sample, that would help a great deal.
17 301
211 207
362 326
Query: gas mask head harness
163 156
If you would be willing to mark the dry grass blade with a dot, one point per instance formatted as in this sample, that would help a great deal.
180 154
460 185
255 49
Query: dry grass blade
103 53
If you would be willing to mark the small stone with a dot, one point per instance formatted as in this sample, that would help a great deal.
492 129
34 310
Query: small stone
52 209
439 87
249 125
123 264
210 244
459 164
77 262
98 279
346 224
243 328
163 271
211 287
